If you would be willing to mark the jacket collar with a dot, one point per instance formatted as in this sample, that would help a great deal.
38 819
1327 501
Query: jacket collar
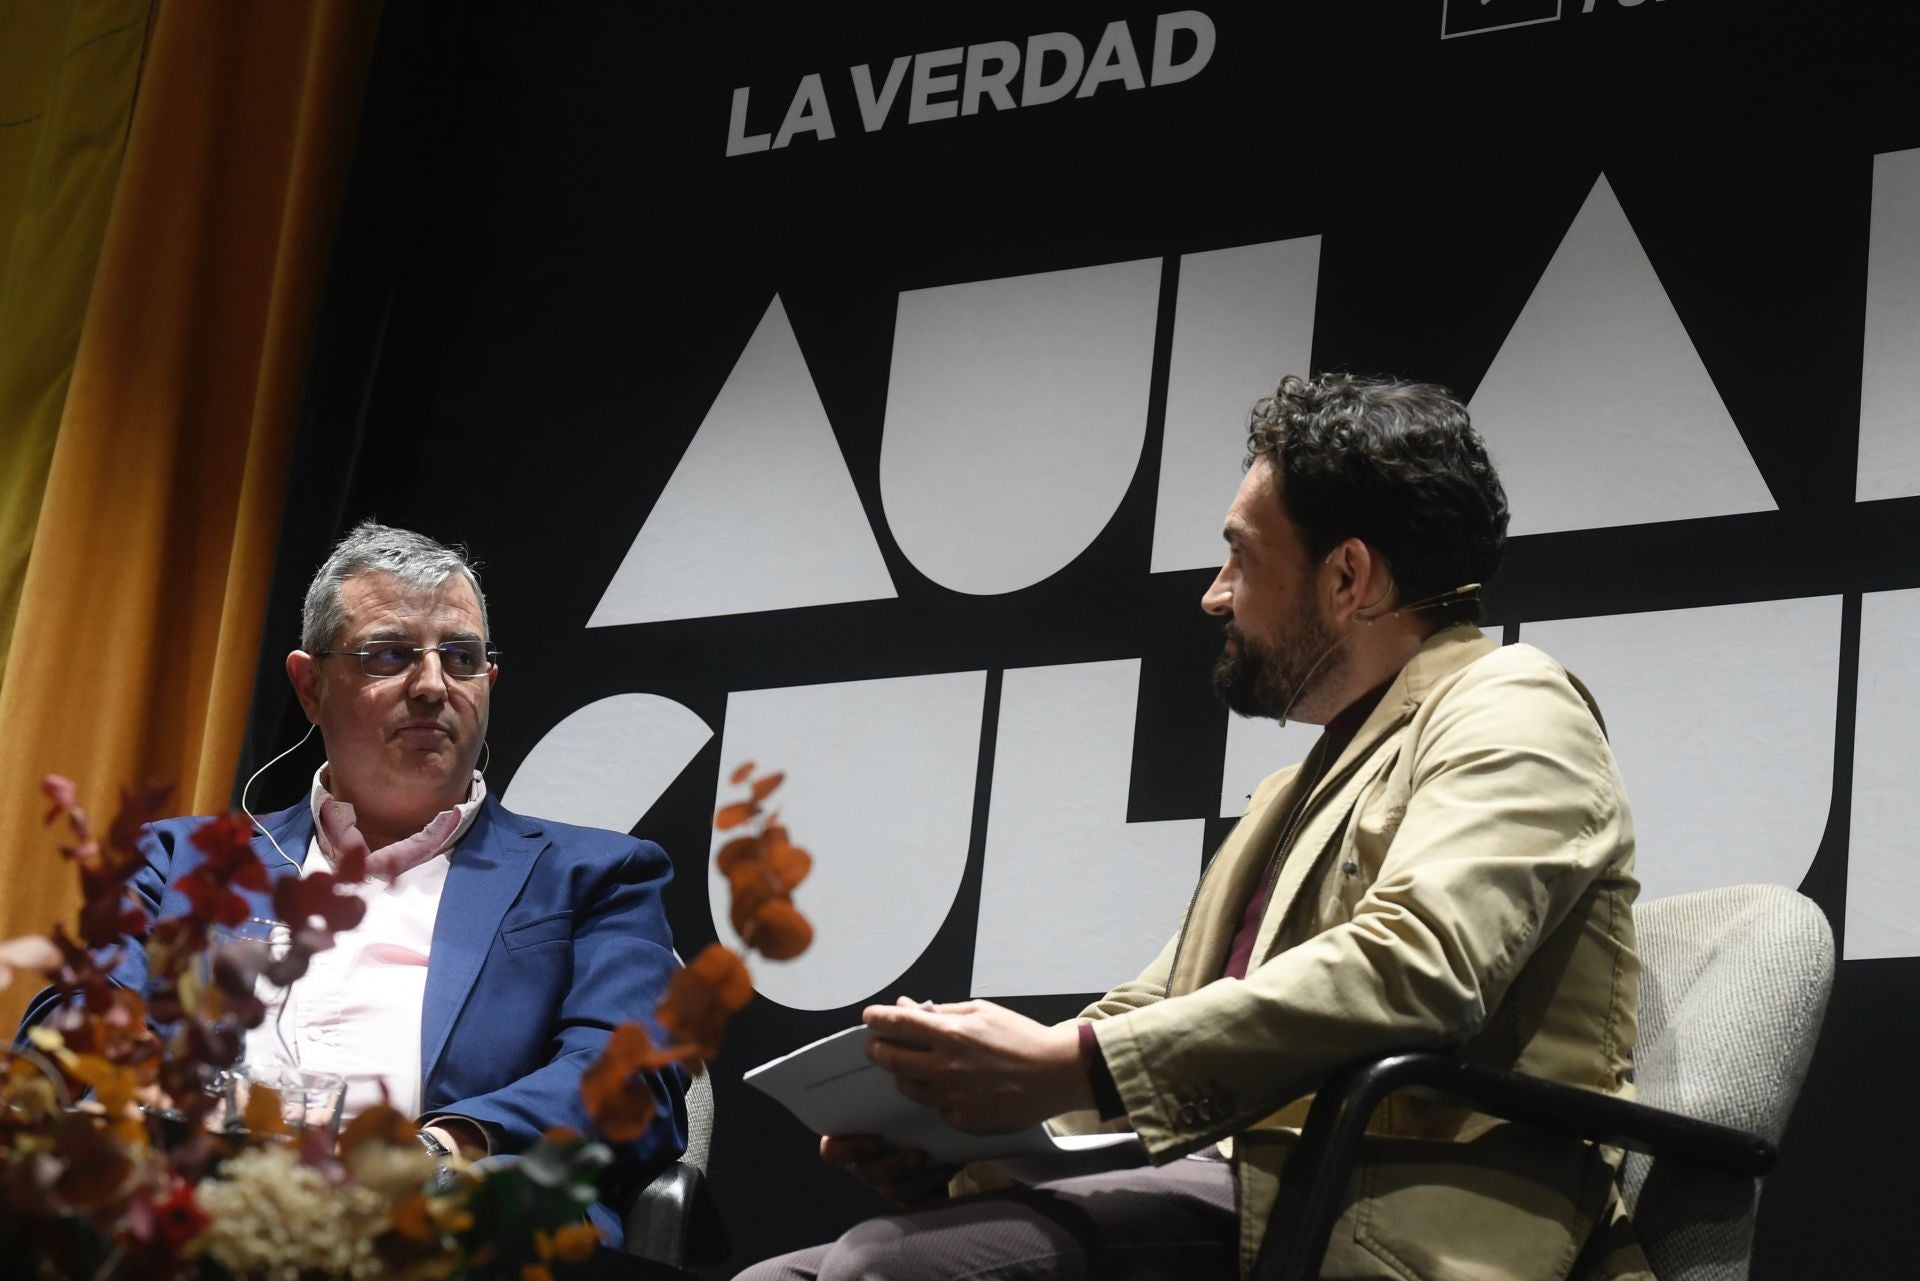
1445 652
1245 856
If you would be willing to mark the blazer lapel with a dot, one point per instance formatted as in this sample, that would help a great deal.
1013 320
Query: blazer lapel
1336 796
1242 859
490 864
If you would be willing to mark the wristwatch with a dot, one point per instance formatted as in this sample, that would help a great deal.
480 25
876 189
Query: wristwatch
444 1180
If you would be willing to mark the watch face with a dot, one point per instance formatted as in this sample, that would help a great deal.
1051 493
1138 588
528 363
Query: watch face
433 1144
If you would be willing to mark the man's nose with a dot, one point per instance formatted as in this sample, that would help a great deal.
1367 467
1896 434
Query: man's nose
1218 598
428 680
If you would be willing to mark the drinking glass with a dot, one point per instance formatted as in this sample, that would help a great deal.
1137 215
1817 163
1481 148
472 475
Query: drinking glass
308 1100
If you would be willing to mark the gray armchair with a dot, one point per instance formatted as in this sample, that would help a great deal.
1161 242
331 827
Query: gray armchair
673 1221
1733 988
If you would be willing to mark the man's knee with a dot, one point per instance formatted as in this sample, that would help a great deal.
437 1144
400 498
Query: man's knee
880 1249
877 1250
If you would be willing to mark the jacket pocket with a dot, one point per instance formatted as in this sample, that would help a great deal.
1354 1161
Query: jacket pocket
1511 1203
1364 845
555 927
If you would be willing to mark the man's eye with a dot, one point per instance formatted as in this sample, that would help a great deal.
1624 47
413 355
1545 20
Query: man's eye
389 658
463 658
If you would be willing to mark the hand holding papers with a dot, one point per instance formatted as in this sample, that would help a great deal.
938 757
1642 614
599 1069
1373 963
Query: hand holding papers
835 1089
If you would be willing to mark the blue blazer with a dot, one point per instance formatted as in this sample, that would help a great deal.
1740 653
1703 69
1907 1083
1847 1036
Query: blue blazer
547 936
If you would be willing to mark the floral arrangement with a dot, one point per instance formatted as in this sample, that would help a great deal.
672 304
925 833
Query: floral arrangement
111 1168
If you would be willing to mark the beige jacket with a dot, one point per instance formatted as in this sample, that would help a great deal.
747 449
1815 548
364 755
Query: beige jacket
1461 878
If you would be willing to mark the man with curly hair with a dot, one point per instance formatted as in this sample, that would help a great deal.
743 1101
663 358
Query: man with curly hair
1450 868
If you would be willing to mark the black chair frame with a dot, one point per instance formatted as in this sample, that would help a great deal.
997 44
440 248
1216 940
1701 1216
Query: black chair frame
1314 1185
674 1222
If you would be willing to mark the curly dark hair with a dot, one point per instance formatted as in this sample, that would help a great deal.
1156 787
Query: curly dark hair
1397 465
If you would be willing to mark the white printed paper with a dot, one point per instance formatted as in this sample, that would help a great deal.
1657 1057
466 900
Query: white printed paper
834 1088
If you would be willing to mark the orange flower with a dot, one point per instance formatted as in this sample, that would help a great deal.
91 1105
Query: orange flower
177 1219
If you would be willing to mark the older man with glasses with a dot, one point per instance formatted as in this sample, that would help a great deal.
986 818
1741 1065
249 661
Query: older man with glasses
497 951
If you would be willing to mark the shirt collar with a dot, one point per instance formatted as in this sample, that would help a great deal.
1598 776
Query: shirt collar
469 809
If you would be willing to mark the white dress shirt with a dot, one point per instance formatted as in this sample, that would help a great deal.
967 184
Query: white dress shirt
356 1012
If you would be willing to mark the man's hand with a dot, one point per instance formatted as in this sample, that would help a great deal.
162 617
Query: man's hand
984 1068
903 1176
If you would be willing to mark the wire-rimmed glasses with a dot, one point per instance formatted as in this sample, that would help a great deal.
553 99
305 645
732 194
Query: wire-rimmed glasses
462 659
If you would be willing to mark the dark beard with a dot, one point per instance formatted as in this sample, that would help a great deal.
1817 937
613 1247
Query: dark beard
1255 681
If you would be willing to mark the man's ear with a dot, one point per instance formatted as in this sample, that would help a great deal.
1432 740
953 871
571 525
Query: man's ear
1353 568
303 670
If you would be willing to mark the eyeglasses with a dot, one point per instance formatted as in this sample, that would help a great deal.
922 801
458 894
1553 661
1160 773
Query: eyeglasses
462 660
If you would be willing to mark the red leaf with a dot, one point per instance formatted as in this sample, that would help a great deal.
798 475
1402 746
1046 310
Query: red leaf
66 800
736 851
137 809
741 773
700 998
298 901
343 833
387 1124
788 865
211 901
227 844
616 1090
732 816
763 787
96 1163
778 931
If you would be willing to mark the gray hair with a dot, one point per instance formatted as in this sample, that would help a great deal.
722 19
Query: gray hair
414 559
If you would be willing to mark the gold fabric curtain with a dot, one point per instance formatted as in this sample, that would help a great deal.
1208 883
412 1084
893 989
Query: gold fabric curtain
140 614
67 77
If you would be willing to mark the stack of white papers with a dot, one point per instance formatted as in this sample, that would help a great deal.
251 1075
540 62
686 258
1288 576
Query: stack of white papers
834 1088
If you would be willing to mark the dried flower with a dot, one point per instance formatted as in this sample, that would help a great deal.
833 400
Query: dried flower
276 1220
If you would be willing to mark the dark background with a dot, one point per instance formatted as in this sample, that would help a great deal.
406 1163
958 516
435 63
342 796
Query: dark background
547 267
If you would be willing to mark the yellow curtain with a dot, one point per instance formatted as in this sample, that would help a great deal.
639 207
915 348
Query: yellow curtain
141 614
67 75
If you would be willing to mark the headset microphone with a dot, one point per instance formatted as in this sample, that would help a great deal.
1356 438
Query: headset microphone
1462 592
255 778
1437 601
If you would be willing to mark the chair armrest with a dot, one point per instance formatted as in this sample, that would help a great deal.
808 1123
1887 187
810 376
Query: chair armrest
674 1220
1317 1174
